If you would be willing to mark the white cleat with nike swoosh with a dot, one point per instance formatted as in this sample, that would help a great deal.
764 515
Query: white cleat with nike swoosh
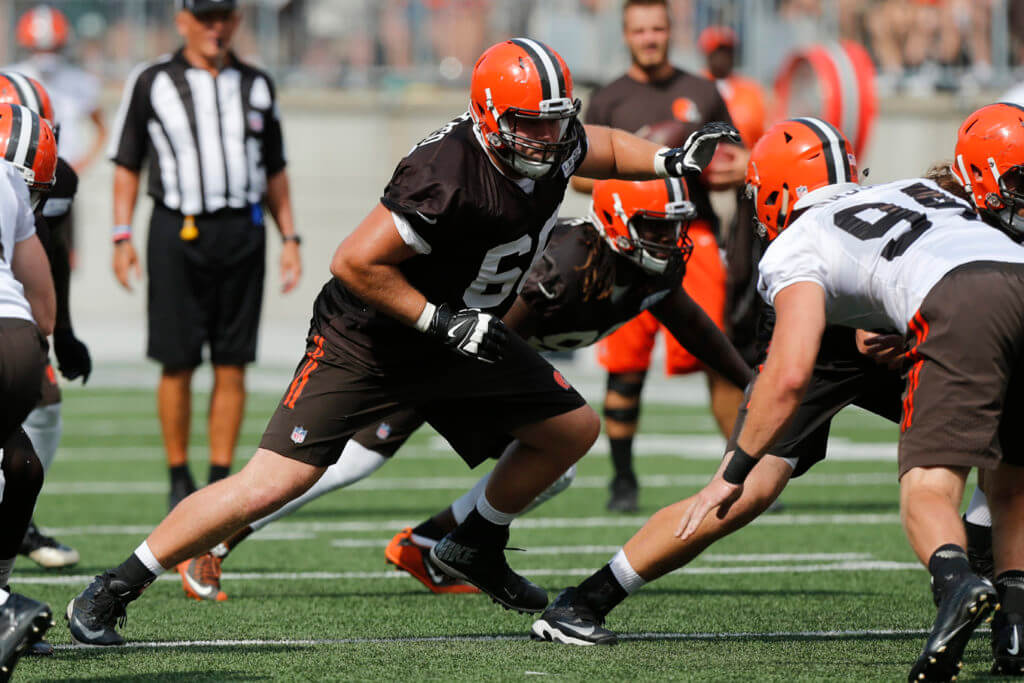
568 620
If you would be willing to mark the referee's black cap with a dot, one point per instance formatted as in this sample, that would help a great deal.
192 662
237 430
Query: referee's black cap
203 6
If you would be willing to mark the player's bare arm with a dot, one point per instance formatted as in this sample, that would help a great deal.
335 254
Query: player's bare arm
614 153
126 191
520 318
699 335
279 201
32 269
367 263
800 321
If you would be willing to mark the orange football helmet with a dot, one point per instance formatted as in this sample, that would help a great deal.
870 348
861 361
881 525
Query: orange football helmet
989 163
16 88
793 158
522 102
27 142
646 222
43 28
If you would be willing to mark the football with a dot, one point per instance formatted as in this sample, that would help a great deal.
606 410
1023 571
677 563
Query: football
670 133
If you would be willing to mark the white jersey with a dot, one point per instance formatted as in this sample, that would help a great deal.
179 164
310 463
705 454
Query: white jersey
16 224
877 251
74 93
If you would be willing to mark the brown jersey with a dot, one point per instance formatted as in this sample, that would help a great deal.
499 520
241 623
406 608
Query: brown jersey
630 105
580 290
476 232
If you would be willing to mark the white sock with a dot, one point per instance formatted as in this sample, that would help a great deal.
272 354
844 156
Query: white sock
977 510
465 503
5 571
148 559
625 574
44 426
488 512
356 463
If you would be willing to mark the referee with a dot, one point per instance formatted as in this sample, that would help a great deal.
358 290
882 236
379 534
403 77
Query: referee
206 127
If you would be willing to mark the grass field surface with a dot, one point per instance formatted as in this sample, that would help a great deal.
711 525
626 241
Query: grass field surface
825 590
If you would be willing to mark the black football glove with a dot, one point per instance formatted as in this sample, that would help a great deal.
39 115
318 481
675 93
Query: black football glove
470 331
696 152
73 358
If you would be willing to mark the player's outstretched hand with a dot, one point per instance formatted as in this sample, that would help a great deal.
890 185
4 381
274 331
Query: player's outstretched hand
696 152
73 359
471 332
717 494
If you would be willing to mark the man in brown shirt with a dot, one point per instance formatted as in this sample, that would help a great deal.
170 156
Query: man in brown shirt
646 99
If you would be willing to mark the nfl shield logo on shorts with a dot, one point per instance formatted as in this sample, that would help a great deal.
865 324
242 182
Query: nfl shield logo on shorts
383 431
299 434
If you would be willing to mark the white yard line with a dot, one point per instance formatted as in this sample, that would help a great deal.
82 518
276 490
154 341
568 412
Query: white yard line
108 488
607 549
684 446
740 635
394 525
853 566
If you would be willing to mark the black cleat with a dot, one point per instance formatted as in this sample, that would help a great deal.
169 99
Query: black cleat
23 622
1007 645
485 567
40 648
93 615
572 622
979 550
45 550
624 496
960 612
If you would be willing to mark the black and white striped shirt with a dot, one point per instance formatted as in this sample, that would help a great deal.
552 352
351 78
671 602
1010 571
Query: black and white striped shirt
211 142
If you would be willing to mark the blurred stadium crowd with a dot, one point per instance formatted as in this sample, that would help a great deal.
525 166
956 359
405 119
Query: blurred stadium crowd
919 46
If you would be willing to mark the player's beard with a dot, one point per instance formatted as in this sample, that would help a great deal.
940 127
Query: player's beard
650 61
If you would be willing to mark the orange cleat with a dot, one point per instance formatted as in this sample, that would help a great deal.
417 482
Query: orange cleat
200 578
415 559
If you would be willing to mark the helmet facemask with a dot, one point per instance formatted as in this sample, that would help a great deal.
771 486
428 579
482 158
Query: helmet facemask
1011 195
659 241
534 142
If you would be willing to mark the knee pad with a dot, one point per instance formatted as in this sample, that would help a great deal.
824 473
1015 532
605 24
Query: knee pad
625 384
631 414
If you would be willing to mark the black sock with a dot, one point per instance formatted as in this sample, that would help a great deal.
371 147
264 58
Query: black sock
601 591
218 472
181 477
477 530
1010 586
622 457
948 564
430 529
134 573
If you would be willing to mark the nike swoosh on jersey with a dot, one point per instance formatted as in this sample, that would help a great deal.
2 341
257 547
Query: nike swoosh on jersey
432 221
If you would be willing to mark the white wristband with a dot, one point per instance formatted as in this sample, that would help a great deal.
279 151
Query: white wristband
659 162
423 322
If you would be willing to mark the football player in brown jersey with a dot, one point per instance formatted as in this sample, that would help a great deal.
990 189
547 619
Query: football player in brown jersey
652 95
412 318
595 273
